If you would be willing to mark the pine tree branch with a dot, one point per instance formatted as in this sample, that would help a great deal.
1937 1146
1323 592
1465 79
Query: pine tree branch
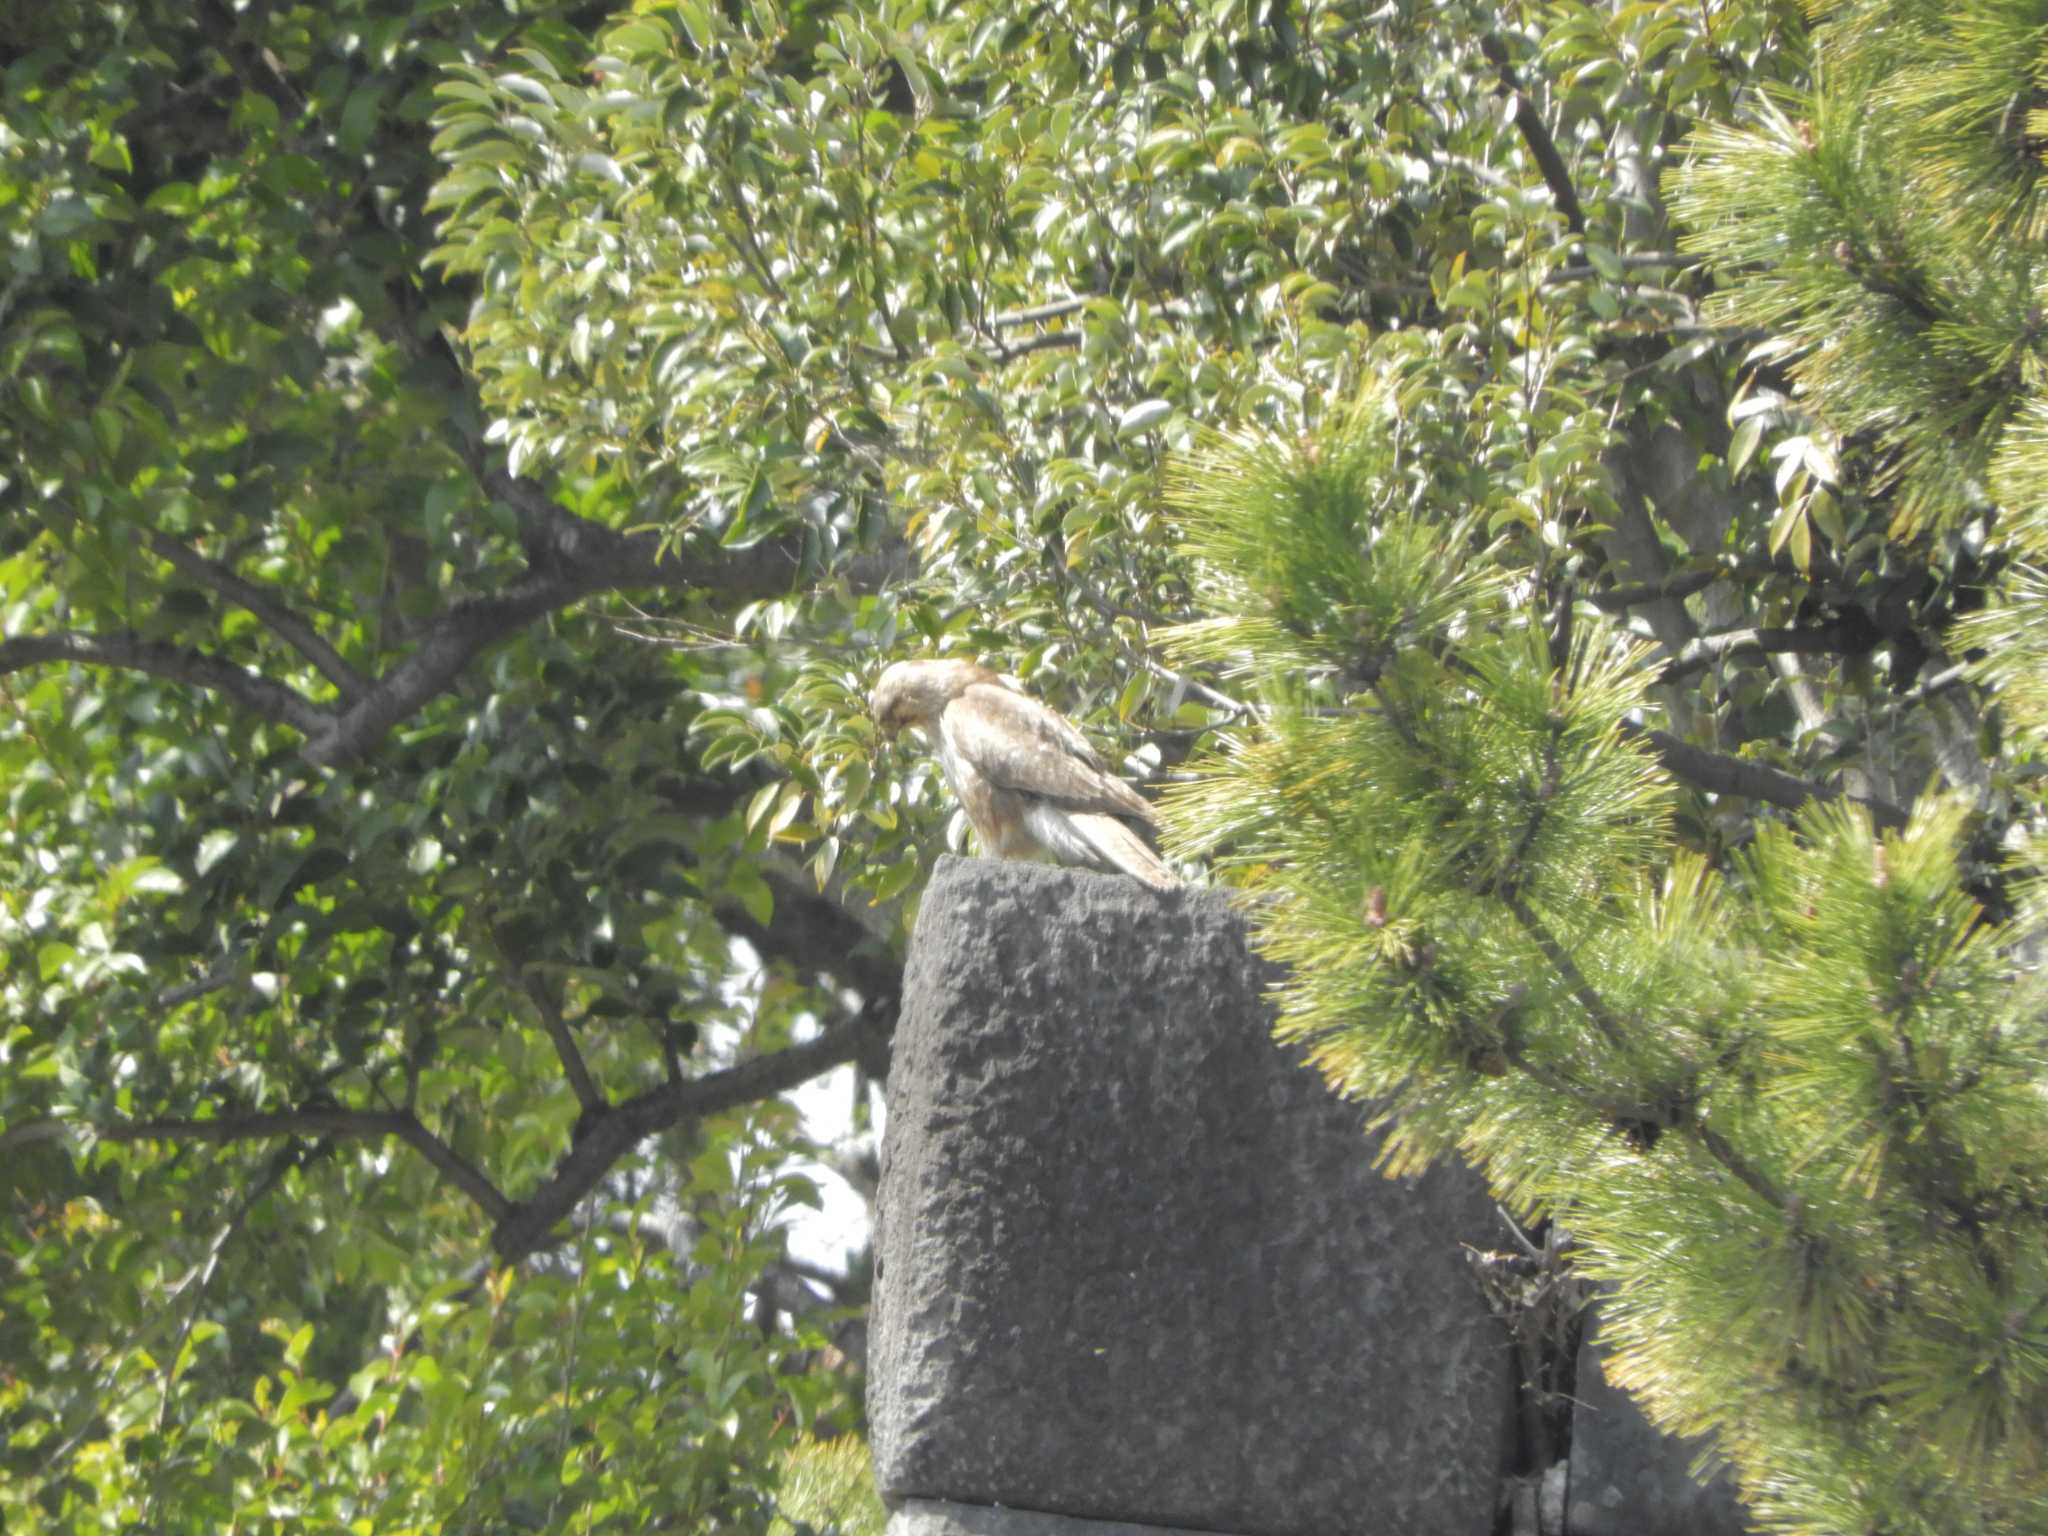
277 618
1604 1018
1717 1147
128 651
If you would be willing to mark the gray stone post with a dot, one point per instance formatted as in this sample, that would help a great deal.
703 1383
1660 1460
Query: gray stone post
1133 1263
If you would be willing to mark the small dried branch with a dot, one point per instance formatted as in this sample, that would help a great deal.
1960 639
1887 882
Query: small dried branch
1044 341
1037 314
1097 599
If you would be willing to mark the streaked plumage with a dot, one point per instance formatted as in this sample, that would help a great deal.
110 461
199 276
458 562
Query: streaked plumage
1028 781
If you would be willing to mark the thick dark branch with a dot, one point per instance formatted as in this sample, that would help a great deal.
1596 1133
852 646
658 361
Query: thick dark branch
1619 599
611 1135
469 1180
129 651
277 618
1721 774
570 558
1542 148
312 1120
1850 635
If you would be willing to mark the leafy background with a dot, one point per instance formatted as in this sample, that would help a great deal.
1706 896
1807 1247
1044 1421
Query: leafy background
466 465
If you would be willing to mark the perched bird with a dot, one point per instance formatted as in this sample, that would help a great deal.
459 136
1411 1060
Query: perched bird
1029 781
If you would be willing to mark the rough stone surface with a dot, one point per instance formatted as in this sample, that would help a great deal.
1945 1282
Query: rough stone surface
1629 1478
930 1517
1133 1261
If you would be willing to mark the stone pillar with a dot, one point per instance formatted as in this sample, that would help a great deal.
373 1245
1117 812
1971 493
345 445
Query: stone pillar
1133 1263
1629 1478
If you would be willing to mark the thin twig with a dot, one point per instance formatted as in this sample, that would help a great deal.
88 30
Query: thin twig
277 618
557 1027
607 1137
1604 1018
1215 698
312 1120
128 650
1718 1148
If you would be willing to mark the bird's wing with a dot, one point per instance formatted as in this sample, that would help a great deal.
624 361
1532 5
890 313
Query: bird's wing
1017 743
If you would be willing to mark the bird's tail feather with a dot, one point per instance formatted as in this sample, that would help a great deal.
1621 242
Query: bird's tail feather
1124 849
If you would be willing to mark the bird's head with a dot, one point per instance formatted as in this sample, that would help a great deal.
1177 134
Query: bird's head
914 692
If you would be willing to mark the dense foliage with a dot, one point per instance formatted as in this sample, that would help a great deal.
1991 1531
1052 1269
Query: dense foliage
465 465
1781 1076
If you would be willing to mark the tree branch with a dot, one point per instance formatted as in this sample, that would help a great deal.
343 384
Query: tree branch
1542 148
817 936
611 1135
414 1133
558 1031
1634 595
569 558
1719 773
1850 635
277 618
310 1120
129 651
1038 313
1718 1148
1603 1017
1044 341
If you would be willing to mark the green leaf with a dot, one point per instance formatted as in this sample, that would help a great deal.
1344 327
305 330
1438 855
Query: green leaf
1742 444
1143 416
